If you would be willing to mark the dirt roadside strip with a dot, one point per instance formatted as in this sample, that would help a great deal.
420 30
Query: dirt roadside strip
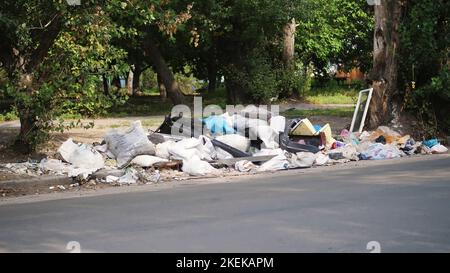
199 181
35 184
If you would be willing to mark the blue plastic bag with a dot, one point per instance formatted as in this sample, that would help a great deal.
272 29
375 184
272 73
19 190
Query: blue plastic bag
218 125
431 143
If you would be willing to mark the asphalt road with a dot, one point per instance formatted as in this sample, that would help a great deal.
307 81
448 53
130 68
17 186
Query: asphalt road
403 205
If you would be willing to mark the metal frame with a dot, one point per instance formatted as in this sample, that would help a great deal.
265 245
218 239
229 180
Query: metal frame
369 97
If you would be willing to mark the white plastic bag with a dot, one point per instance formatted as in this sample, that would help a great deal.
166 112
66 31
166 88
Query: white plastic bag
244 166
126 146
196 167
162 149
439 149
302 160
81 156
236 141
321 159
147 160
279 162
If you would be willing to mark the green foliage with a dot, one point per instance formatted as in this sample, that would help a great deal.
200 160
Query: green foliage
430 103
423 63
10 115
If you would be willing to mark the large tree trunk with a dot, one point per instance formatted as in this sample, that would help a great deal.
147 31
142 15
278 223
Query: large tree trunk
289 43
167 78
384 104
136 78
162 89
130 81
212 77
105 85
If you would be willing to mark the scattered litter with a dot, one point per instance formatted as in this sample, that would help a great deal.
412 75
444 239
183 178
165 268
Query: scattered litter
244 166
321 159
379 151
130 177
233 143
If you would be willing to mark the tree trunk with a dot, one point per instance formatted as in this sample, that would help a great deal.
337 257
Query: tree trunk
167 78
136 78
212 78
162 89
105 85
289 43
384 104
130 81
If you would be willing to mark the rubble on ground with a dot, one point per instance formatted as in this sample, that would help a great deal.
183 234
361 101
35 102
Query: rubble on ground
228 145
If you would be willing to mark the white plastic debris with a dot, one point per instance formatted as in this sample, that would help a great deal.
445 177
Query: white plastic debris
348 151
196 167
237 141
221 154
244 166
321 159
55 166
279 162
127 145
155 177
130 177
111 179
188 148
81 156
439 149
147 160
302 160
278 123
162 149
268 136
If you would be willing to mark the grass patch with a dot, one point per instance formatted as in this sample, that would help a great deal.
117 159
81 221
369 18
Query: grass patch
333 94
346 112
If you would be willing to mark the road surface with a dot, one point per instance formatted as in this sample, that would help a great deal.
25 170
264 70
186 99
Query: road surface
403 204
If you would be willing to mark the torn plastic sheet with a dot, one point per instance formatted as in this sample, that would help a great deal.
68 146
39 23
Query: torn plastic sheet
60 168
81 155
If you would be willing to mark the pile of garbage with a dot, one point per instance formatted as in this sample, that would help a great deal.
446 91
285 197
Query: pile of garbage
228 143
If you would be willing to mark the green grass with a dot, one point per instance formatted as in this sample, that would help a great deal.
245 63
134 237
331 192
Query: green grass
331 99
333 94
336 112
